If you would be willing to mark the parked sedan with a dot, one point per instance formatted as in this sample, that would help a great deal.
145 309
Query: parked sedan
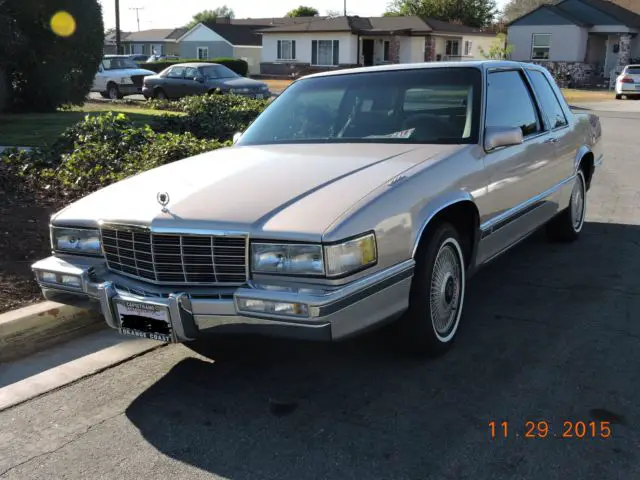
356 198
628 82
185 79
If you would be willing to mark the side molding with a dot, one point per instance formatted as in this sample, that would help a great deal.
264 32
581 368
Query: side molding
435 207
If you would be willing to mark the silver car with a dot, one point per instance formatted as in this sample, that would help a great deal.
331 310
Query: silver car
357 198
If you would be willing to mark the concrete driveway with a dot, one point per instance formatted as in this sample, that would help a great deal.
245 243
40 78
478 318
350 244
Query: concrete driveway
550 334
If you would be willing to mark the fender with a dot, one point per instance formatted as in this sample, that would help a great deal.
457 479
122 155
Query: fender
432 209
582 151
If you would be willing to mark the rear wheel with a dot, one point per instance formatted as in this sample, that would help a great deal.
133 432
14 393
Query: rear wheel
437 295
159 94
566 227
618 96
113 92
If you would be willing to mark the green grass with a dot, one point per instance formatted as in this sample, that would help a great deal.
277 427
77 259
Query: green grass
38 129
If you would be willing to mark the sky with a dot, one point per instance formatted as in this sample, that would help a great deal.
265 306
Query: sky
176 13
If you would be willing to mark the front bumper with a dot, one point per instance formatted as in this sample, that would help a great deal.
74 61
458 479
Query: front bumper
130 89
333 312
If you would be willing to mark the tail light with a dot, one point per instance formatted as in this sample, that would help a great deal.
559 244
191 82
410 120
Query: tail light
626 80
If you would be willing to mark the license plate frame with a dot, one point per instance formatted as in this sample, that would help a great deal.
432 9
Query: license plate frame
143 314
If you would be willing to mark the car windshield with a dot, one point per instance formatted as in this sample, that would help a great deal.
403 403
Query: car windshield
218 71
118 63
427 105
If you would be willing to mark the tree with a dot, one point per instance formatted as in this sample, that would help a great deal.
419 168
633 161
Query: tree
517 8
473 13
499 48
50 60
303 11
206 16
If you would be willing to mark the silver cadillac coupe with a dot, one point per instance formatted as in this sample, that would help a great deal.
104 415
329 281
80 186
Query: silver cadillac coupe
357 198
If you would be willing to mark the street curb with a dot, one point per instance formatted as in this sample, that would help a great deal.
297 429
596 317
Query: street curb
37 327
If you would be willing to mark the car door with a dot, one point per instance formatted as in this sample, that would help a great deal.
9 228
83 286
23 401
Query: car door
518 176
558 125
190 85
174 82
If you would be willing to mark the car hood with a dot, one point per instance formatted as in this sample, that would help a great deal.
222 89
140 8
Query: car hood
122 72
286 191
240 82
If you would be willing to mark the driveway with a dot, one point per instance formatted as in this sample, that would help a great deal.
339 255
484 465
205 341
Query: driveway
550 334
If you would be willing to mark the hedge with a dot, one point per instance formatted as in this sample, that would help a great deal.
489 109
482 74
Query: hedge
237 65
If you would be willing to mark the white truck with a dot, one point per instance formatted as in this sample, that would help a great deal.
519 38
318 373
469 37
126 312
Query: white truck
118 76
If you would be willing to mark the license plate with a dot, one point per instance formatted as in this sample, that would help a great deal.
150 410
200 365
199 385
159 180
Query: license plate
259 95
144 320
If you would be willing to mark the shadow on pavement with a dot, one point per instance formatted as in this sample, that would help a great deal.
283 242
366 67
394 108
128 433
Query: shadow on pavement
549 334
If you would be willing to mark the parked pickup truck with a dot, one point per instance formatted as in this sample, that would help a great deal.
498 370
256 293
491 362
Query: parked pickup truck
357 198
117 76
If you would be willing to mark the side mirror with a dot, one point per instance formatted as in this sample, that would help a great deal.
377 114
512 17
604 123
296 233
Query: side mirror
496 137
236 137
199 79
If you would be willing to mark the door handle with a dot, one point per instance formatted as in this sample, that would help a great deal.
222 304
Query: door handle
551 140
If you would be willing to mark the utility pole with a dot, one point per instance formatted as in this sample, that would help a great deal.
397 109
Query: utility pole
345 8
137 9
118 27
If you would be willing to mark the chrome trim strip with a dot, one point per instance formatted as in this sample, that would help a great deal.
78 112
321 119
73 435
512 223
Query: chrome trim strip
490 226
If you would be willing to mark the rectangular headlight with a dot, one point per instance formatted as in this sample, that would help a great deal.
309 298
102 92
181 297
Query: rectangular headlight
292 259
76 240
350 256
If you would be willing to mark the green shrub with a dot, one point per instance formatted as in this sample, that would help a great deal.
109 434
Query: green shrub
211 116
237 65
99 151
44 70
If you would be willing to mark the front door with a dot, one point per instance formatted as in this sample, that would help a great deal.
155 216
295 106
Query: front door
367 51
174 82
519 175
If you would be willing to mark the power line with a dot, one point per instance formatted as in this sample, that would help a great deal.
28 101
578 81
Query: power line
137 9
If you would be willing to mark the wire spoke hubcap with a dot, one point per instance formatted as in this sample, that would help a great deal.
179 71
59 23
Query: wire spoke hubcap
577 204
445 291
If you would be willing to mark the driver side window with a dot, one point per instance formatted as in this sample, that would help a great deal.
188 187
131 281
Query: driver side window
509 103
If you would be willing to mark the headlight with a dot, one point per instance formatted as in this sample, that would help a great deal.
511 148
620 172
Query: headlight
76 240
330 260
292 259
350 256
126 80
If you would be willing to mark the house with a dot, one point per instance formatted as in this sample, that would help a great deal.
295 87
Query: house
109 47
329 42
580 40
161 41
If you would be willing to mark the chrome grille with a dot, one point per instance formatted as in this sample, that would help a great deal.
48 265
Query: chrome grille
175 258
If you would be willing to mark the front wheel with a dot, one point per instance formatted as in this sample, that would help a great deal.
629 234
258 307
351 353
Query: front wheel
159 94
618 96
113 92
437 295
566 227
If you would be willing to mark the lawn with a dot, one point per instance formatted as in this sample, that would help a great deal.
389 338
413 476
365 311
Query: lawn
36 129
574 95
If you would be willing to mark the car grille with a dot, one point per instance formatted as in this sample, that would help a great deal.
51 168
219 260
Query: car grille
137 80
174 258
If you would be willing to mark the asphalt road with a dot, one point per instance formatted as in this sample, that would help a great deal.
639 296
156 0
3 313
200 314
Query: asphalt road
550 334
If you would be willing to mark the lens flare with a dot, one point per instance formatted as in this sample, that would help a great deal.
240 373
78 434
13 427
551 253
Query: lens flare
63 24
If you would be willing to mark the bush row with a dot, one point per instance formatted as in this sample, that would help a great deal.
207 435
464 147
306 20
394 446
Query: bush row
107 148
237 65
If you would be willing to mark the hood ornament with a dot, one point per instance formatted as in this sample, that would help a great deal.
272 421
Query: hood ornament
163 199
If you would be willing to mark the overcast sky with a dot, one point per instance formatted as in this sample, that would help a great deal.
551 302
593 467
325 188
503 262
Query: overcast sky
176 13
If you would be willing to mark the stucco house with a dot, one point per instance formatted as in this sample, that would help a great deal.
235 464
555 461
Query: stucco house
581 40
161 41
334 42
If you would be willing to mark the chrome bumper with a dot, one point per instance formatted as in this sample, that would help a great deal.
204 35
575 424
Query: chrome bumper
333 312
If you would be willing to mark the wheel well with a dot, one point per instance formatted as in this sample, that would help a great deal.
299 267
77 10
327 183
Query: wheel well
111 82
464 217
587 166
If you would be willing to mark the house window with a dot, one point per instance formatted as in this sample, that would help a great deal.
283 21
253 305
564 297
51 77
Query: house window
203 53
325 52
540 46
467 48
286 49
452 48
387 46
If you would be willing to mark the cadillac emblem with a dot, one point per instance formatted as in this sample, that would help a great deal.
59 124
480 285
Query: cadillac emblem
163 199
